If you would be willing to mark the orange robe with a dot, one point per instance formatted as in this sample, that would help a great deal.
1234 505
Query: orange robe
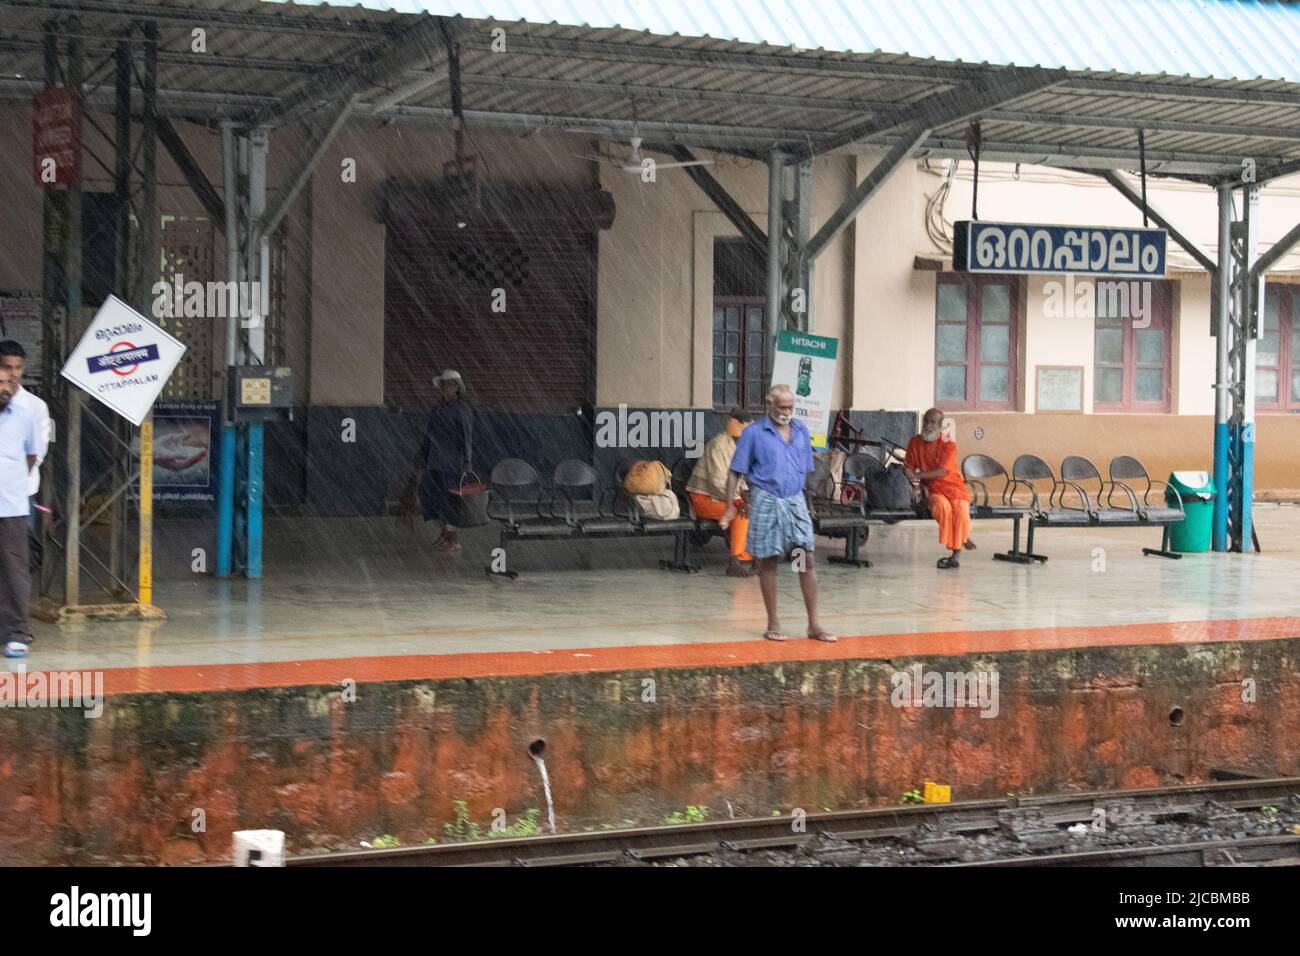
949 497
707 507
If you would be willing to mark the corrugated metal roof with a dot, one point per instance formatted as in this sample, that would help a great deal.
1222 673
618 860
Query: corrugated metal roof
1201 39
707 92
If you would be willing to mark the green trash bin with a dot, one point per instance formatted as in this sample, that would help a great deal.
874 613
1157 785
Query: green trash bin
1196 489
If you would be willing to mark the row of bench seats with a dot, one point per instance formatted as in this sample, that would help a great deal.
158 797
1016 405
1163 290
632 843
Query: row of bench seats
574 503
1031 494
1079 498
836 514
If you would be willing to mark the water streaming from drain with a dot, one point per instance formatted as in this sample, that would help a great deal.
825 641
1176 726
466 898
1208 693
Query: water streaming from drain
546 785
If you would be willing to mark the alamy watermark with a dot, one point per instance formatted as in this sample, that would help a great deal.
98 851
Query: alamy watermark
47 689
657 429
1085 298
208 300
917 687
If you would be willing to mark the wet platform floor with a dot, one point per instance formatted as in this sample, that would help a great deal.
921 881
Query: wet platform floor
368 599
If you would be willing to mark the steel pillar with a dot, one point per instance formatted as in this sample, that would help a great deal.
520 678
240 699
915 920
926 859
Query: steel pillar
775 259
125 288
72 305
150 267
53 319
257 249
1240 292
226 461
798 266
1222 379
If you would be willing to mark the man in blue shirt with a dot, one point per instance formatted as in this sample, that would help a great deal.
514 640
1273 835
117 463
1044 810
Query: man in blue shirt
774 455
18 447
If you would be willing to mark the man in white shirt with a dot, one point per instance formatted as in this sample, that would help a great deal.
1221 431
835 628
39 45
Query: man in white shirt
13 359
18 445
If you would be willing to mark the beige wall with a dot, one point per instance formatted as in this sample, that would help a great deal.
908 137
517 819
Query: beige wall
654 337
893 303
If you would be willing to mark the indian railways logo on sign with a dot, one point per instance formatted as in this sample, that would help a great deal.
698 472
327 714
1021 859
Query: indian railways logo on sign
122 354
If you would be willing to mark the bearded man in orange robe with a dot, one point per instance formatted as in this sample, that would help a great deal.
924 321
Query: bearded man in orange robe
932 460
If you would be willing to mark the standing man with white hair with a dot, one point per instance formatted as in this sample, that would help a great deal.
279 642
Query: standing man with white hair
774 456
445 455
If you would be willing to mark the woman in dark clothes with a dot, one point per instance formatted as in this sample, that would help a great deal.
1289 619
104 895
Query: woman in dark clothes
445 454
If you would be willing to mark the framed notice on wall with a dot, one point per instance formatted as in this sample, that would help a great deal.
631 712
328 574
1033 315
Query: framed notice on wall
1058 388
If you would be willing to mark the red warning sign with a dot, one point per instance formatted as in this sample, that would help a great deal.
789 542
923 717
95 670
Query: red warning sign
56 145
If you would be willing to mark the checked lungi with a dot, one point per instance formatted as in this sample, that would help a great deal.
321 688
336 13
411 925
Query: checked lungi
778 525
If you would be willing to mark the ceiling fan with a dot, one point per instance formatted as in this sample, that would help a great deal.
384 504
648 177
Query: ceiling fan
634 162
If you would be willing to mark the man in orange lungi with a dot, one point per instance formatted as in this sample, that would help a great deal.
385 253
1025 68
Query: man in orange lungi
932 460
708 490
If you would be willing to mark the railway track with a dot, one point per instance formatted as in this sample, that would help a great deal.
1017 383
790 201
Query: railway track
1037 820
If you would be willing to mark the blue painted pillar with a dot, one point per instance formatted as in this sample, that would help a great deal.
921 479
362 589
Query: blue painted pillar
226 501
1246 464
253 501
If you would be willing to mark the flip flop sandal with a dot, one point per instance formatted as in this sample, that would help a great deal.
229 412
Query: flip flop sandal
947 564
826 637
774 636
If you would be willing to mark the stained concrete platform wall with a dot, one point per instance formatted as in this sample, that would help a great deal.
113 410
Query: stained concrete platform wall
817 734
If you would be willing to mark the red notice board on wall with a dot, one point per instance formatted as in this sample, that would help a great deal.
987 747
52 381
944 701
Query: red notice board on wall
56 145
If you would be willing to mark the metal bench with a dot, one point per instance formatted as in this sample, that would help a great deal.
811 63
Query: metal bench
625 505
517 500
979 471
1080 473
1126 468
832 518
1074 501
582 502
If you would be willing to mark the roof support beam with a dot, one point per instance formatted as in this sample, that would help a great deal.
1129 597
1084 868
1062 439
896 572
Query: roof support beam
1059 154
911 138
944 109
619 52
1124 189
1271 258
419 46
1178 91
193 173
1129 123
643 91
320 142
716 192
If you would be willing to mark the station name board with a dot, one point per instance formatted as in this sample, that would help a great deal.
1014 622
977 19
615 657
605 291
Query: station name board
1024 248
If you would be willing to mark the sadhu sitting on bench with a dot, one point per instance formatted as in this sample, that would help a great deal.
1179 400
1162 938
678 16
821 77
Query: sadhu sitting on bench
931 460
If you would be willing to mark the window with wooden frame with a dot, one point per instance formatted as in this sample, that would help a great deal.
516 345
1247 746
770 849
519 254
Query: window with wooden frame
739 334
975 344
1131 355
1277 351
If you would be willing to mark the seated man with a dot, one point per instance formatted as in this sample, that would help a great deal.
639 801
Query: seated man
708 490
932 460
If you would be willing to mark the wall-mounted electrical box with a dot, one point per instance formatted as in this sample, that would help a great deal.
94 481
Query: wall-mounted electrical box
259 393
